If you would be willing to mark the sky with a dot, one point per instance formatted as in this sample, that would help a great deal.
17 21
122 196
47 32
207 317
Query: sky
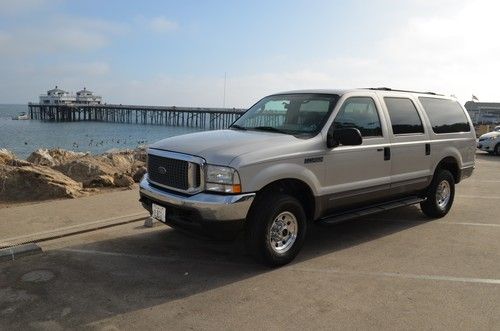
178 52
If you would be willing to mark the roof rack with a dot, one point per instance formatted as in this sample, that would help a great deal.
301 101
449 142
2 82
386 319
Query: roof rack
393 90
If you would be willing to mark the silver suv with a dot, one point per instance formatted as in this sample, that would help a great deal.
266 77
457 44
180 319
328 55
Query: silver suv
311 156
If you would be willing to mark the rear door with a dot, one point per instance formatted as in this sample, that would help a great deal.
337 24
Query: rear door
410 145
358 175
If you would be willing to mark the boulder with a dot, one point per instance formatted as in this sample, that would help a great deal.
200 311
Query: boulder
33 182
99 181
139 173
6 156
54 157
42 157
86 168
140 154
121 162
9 158
122 180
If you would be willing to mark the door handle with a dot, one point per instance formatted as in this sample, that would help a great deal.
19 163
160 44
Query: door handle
427 149
380 149
387 153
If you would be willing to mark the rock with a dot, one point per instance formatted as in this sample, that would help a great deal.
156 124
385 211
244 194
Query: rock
9 158
100 181
139 173
121 162
123 180
140 154
86 168
6 156
53 157
42 157
33 182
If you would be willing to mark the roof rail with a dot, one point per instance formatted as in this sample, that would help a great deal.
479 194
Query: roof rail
390 89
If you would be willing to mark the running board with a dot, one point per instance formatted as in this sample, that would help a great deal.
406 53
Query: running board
344 216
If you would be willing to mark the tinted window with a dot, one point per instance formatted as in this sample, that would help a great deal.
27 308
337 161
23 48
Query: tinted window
360 113
404 116
446 116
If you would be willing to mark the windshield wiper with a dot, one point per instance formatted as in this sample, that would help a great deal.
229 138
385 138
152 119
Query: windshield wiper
239 127
270 129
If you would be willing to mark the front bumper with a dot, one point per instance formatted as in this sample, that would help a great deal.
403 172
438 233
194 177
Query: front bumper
486 146
204 211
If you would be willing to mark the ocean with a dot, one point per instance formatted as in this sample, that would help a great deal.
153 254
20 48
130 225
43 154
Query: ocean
24 136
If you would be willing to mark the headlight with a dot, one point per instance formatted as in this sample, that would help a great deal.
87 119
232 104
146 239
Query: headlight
491 138
222 179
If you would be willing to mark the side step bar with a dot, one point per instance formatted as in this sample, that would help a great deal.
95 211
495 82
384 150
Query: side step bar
344 216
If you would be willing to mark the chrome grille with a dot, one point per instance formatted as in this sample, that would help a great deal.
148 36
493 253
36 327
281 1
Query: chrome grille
173 173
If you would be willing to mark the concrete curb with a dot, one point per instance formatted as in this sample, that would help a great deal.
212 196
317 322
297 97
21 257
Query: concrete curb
15 252
71 230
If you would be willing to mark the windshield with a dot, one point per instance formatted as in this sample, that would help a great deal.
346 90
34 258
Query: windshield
297 114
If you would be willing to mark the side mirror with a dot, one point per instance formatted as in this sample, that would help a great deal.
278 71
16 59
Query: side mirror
345 136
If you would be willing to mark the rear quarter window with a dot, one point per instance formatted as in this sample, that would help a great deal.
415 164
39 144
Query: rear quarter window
446 116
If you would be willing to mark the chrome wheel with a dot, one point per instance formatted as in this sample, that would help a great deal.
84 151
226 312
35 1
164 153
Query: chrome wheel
283 232
443 194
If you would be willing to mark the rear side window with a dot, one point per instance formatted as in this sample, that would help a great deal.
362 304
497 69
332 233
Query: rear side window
360 113
446 116
404 116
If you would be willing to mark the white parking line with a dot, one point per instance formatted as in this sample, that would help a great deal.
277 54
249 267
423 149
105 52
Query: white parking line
298 268
402 275
472 224
433 222
478 196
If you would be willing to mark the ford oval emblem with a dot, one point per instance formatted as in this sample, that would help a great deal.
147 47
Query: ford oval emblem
162 171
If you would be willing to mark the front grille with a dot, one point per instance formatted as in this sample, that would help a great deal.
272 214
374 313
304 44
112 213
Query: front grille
173 173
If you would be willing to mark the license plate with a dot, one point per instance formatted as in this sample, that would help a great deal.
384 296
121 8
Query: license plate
159 213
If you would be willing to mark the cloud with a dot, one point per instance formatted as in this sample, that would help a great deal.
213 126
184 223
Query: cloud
10 7
59 34
162 25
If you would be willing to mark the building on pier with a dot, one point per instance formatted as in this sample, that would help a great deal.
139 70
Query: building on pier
87 97
57 96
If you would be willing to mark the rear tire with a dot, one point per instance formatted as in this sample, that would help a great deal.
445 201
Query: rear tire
440 195
276 228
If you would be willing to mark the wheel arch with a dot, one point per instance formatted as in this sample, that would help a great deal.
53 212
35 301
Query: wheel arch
294 187
451 164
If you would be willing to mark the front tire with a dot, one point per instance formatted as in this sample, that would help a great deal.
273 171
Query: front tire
497 149
276 229
440 195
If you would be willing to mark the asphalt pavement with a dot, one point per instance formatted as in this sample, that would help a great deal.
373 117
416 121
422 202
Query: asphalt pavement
395 270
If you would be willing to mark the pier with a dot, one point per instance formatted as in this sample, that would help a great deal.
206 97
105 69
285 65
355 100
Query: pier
205 118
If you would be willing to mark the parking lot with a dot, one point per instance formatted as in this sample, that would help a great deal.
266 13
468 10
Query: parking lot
395 270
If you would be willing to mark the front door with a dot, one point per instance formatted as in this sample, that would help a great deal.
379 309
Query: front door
359 175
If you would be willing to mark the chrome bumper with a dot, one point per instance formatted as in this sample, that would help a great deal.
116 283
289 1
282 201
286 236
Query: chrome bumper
212 207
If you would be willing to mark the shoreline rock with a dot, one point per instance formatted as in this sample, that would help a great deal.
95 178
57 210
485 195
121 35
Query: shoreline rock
58 173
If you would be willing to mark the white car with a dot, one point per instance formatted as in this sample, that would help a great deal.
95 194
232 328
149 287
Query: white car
490 142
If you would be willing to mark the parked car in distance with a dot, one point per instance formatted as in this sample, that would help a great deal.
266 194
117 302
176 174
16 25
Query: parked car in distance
490 142
311 156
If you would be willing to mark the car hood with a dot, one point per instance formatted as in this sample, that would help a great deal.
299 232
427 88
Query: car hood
222 146
490 134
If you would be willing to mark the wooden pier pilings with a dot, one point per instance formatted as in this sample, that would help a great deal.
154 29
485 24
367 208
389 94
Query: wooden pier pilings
205 118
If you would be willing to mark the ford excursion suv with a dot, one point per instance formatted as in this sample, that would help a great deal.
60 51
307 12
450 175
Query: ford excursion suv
311 156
